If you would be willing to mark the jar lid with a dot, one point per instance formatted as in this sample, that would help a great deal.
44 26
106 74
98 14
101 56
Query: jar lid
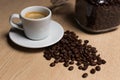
104 2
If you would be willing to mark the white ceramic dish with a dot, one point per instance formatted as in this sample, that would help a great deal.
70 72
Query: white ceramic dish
56 33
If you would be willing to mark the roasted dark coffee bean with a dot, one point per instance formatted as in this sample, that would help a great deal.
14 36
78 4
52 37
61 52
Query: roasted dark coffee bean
52 64
93 49
99 62
61 60
70 68
77 58
57 57
71 62
86 41
84 75
94 57
57 60
97 68
93 63
66 64
72 59
92 71
103 61
80 67
47 57
66 59
89 46
69 52
61 54
78 63
57 53
84 68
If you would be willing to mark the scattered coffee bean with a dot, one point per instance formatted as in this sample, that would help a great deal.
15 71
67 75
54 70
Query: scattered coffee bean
70 68
84 75
97 68
103 61
66 64
71 62
84 68
80 67
92 71
52 64
86 41
70 50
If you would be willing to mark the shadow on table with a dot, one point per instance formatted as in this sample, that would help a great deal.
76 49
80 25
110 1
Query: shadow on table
23 49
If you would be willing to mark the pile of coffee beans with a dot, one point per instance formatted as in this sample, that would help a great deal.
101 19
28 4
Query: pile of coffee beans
73 51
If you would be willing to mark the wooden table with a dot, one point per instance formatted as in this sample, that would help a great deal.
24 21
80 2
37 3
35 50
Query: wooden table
18 63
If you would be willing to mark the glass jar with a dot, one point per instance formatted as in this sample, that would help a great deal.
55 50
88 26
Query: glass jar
98 16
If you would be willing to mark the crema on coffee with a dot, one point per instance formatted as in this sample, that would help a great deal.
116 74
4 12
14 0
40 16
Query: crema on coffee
35 15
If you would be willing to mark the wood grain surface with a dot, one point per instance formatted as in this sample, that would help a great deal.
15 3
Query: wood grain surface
18 63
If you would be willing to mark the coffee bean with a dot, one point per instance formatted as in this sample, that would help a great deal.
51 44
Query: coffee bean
66 64
71 62
52 64
93 63
61 55
61 60
99 62
70 68
80 67
97 68
84 75
57 60
57 57
92 71
84 68
73 59
86 41
47 57
78 63
103 61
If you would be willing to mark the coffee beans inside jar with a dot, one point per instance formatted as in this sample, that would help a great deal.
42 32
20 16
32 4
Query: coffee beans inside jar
70 50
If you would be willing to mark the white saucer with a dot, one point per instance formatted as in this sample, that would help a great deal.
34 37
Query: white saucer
56 33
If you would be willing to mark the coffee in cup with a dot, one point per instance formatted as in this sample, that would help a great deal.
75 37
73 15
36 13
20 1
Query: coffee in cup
35 15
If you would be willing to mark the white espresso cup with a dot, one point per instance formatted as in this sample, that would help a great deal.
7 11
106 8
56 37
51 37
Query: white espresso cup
35 29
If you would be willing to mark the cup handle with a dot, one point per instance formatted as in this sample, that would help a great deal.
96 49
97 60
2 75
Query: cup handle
15 25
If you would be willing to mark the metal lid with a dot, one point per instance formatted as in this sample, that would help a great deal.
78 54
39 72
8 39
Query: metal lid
104 2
